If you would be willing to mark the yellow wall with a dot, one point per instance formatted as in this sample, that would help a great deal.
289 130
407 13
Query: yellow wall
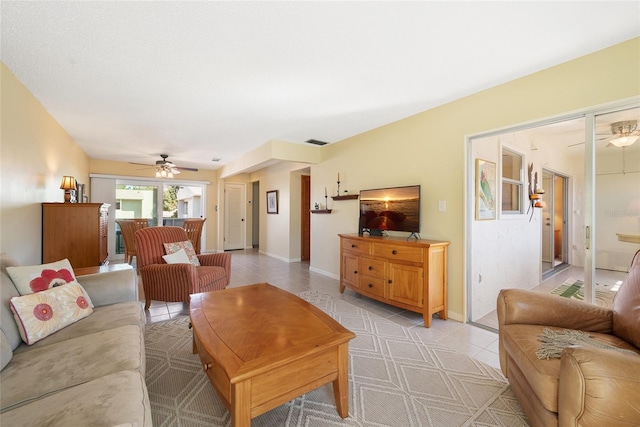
429 149
36 152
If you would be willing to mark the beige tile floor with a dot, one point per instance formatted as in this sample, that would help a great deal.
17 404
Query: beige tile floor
248 267
571 273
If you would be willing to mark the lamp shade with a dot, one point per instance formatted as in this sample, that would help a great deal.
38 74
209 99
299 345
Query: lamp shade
624 141
68 183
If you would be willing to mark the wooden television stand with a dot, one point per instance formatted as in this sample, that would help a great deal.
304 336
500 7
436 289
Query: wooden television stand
410 274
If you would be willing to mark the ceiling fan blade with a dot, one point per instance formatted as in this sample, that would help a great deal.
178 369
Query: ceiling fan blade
174 169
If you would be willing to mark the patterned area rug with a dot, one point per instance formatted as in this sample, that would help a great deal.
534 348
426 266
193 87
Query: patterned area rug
575 289
395 379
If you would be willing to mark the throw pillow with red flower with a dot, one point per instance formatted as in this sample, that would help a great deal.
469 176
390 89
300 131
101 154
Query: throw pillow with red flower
50 279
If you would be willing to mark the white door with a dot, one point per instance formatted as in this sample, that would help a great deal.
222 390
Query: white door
234 216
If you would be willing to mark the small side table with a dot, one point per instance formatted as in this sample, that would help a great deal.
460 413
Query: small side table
84 271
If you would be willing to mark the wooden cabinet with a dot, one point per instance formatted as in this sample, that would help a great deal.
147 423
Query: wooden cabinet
76 231
410 274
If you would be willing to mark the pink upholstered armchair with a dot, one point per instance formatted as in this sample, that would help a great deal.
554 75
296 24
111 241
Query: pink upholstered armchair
175 282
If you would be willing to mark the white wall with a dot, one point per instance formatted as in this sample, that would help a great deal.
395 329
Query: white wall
279 234
617 206
507 252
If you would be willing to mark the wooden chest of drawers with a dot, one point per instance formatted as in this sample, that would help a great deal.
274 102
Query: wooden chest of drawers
76 231
410 274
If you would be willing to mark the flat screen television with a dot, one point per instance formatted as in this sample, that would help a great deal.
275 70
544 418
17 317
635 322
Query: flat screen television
390 209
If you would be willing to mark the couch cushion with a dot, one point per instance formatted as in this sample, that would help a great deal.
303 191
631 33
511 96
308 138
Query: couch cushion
41 371
102 319
626 306
8 291
6 352
117 399
521 343
41 314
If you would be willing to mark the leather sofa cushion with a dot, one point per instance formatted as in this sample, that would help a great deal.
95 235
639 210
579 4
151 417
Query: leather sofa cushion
114 400
521 343
626 306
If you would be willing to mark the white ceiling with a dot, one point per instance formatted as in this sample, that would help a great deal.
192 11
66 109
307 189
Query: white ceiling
198 80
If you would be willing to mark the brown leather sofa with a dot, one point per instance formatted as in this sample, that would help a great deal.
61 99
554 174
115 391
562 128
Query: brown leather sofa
586 386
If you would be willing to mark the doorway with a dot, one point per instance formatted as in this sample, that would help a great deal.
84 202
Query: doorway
234 216
555 224
305 232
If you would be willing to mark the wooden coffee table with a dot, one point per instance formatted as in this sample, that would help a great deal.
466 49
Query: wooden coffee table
261 347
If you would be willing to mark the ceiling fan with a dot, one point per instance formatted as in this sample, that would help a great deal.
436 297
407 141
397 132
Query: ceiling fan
623 134
164 168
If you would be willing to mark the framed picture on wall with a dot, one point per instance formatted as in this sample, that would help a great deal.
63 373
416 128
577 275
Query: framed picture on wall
272 202
486 182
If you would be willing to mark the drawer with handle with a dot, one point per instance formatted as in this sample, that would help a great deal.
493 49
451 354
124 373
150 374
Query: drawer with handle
356 246
372 285
398 253
372 267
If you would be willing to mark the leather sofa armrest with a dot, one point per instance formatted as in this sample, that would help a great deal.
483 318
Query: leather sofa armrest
111 287
518 306
598 387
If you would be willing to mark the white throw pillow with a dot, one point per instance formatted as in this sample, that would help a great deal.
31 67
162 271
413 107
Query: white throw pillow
35 278
40 314
187 246
179 257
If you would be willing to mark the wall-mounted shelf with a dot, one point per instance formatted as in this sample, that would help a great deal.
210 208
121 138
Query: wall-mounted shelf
347 197
321 211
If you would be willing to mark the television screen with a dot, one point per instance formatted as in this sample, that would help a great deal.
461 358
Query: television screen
391 209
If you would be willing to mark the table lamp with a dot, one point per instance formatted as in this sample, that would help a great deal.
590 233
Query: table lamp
68 184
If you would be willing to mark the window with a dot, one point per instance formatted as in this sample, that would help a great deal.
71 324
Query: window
512 182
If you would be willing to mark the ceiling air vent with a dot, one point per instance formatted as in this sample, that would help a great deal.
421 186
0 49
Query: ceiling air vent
316 142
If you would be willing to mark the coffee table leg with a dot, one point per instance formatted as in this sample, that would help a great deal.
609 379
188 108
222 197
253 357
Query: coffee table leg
341 384
241 404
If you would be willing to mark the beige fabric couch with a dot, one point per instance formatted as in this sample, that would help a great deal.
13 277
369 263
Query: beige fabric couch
587 386
90 373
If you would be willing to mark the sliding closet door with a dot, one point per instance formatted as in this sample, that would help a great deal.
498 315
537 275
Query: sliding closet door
614 232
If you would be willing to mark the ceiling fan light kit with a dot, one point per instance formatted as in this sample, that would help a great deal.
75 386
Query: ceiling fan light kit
164 168
625 133
624 141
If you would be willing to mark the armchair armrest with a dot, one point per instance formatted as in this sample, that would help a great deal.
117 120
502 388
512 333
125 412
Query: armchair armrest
537 308
111 287
598 387
222 259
